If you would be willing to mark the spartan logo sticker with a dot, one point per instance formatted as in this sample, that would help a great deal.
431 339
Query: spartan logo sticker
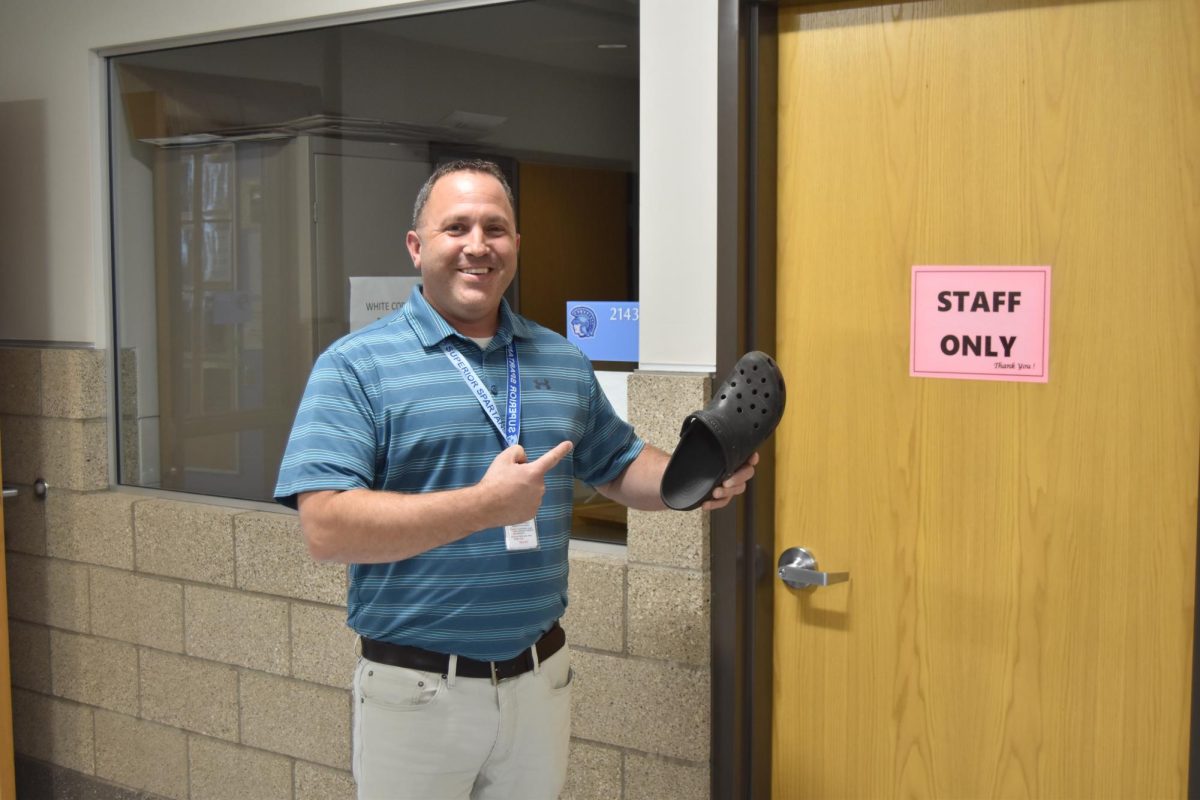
583 322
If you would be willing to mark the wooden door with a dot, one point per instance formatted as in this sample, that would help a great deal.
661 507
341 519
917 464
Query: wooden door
1018 621
574 225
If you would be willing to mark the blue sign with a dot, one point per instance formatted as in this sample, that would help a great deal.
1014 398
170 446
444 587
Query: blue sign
604 330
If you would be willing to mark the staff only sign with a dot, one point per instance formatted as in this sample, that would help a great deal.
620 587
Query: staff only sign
980 323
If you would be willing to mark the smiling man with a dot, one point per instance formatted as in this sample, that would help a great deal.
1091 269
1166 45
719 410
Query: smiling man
465 245
435 452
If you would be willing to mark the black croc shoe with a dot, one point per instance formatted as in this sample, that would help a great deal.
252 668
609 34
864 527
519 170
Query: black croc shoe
717 440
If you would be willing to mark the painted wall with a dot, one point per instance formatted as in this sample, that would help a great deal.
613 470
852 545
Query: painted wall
678 219
53 207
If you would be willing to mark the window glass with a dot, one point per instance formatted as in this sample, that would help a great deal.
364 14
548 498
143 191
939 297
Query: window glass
256 181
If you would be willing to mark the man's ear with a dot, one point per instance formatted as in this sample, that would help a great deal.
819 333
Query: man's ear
413 243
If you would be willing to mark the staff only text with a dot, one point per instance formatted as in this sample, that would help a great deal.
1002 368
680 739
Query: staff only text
985 302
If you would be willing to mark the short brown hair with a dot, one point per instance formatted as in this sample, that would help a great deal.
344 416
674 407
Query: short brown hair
460 165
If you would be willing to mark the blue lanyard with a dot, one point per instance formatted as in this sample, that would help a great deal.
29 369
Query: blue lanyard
509 426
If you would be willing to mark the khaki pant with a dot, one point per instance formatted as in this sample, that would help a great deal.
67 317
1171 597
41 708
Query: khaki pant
422 736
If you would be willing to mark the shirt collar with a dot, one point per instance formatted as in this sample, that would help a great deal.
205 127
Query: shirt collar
431 328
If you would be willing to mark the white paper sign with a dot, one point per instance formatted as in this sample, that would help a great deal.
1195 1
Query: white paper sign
374 297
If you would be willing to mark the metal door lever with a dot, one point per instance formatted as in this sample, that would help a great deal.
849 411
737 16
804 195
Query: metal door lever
798 569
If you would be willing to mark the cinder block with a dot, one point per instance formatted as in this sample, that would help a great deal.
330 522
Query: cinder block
29 655
651 778
237 628
669 614
670 538
20 455
322 783
184 540
658 404
271 719
48 592
272 558
322 646
189 693
20 381
593 773
73 383
142 755
99 672
25 523
130 458
69 454
660 401
138 609
53 731
596 609
96 528
127 366
221 771
654 706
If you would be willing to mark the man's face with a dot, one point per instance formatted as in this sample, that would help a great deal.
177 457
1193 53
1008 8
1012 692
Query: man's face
465 247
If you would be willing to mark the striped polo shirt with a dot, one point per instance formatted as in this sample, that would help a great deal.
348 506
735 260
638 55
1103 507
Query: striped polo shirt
385 409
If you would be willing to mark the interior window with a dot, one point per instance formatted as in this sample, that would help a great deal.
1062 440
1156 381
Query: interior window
262 188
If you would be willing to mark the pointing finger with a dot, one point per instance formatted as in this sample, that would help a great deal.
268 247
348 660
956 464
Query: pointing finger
551 458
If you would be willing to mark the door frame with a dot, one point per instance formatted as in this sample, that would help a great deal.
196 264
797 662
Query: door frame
743 534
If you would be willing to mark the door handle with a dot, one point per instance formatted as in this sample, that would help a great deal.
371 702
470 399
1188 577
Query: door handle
798 569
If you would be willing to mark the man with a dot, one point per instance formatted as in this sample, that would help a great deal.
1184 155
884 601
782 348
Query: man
435 452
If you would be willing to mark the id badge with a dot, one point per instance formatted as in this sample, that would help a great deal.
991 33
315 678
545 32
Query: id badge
522 536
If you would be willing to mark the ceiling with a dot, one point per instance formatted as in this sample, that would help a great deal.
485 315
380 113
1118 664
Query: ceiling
565 34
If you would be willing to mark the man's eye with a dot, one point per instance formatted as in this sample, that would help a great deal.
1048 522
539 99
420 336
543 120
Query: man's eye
455 228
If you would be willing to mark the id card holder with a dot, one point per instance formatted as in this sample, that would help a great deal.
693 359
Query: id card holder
522 536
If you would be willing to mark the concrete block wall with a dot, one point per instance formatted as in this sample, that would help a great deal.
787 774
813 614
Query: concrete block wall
190 650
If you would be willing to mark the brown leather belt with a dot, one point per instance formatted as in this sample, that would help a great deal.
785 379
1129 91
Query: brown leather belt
400 655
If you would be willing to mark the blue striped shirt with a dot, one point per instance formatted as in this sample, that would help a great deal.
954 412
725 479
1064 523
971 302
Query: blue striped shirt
385 409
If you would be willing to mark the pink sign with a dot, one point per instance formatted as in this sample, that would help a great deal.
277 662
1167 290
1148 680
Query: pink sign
980 323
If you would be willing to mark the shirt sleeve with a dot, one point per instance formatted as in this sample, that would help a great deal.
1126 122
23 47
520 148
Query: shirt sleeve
609 444
333 443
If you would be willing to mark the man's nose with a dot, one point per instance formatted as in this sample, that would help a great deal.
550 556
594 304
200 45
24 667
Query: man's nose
476 243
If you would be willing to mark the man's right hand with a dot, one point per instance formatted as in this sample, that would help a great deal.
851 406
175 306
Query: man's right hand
515 485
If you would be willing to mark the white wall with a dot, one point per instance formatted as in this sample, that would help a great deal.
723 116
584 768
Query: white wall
678 219
53 235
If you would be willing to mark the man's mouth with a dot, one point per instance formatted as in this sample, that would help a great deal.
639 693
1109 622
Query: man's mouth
476 270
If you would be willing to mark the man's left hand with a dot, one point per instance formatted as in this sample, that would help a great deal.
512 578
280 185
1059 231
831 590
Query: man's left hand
734 485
